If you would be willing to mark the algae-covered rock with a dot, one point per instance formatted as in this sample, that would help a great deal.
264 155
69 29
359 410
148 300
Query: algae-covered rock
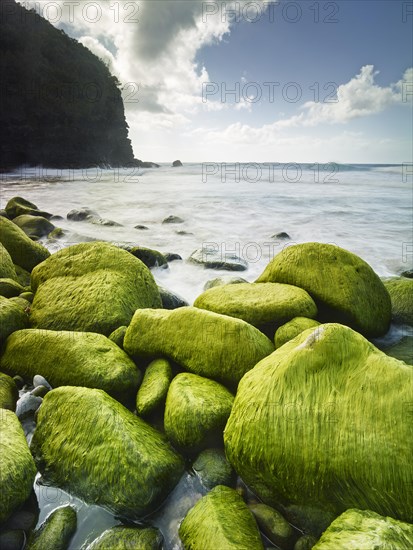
211 258
305 542
225 280
7 269
17 206
22 275
154 388
365 530
212 469
72 359
55 533
343 285
17 468
12 318
222 520
10 288
92 287
171 300
23 251
151 258
128 538
204 343
9 393
323 423
196 412
401 295
87 443
402 350
293 328
274 526
258 304
35 227
118 335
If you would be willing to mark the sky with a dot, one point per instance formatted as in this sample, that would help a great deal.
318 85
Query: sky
253 81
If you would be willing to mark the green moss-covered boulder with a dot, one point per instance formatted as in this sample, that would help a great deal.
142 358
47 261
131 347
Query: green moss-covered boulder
401 295
22 275
273 524
18 206
12 318
258 304
71 359
23 251
88 444
293 328
324 423
402 350
343 285
56 531
17 468
205 343
306 542
196 412
224 280
7 269
151 258
10 288
154 388
365 530
35 227
91 287
9 393
212 469
220 519
118 335
128 538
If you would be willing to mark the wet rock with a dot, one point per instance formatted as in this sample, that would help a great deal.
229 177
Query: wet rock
142 227
408 274
40 391
225 280
57 233
17 468
212 468
82 214
176 164
151 258
154 388
35 227
23 251
293 328
131 538
214 259
8 392
274 526
184 233
126 465
27 405
170 300
283 236
22 275
17 206
10 288
12 540
39 380
56 531
305 543
401 295
173 219
402 350
18 381
172 257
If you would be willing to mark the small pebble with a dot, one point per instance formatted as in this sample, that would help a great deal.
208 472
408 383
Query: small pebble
27 405
40 391
39 380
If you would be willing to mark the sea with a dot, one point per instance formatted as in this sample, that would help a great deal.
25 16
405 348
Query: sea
237 208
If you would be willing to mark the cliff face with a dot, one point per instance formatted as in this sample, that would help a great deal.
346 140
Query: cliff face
59 104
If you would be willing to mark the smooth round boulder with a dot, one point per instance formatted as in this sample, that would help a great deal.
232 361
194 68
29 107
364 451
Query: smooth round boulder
212 469
23 251
128 538
72 359
401 295
258 303
18 206
7 269
208 344
274 526
12 318
91 287
17 468
35 227
344 287
122 463
10 288
220 520
56 531
308 420
196 412
213 258
293 328
154 388
9 392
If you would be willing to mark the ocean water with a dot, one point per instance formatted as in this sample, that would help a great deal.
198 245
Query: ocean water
233 208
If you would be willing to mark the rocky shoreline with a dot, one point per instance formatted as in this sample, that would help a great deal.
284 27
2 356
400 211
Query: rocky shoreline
272 393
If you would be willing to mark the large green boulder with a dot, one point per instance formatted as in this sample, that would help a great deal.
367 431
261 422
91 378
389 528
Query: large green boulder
220 520
17 468
366 530
17 206
293 328
88 444
152 393
91 287
401 295
204 343
10 288
12 318
128 538
344 286
23 251
72 359
9 393
258 304
35 227
323 424
7 269
196 412
56 532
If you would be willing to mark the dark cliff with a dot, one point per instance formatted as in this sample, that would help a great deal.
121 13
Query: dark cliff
59 104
